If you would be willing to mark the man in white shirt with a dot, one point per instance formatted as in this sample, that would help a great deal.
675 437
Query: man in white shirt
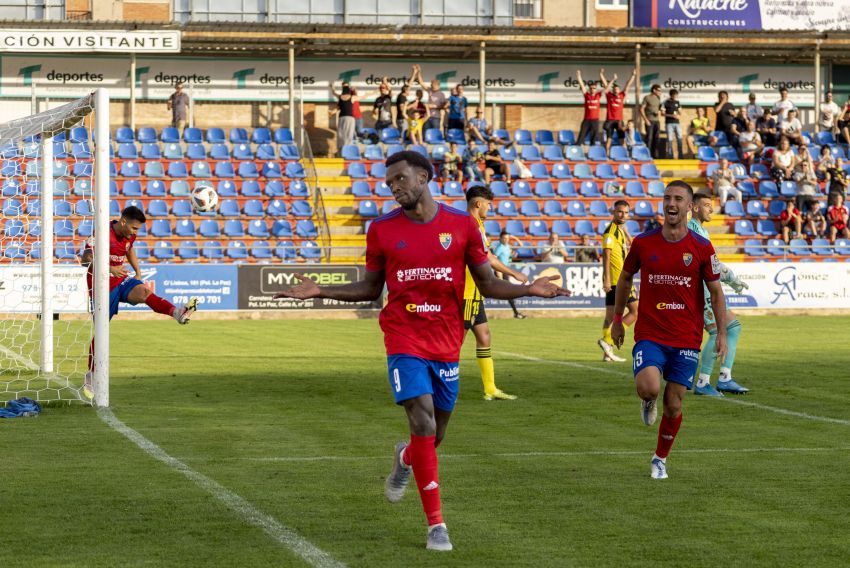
783 105
829 113
792 128
754 110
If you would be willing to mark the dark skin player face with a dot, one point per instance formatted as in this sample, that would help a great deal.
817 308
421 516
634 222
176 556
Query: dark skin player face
407 184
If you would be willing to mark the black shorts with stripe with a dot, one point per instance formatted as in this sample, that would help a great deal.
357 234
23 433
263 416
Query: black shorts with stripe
611 297
473 313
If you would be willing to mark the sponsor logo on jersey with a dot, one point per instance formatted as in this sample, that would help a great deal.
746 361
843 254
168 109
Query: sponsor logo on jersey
669 306
443 273
445 240
401 244
715 264
425 308
449 374
670 279
687 258
689 353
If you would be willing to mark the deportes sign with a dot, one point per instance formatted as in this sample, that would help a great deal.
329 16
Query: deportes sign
825 15
783 285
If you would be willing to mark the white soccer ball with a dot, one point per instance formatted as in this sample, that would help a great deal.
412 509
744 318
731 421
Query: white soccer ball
204 199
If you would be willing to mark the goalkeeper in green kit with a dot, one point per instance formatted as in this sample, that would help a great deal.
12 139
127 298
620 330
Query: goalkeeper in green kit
702 212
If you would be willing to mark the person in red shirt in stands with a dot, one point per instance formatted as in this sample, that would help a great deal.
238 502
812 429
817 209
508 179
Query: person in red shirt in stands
615 99
592 98
790 219
837 217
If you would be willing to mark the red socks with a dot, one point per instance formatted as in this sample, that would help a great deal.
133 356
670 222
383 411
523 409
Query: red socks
667 434
405 455
422 454
160 305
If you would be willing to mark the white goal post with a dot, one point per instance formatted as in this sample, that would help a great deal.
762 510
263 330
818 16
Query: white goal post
40 276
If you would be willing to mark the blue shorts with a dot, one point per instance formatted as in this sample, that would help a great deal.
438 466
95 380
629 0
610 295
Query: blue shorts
677 365
120 293
412 376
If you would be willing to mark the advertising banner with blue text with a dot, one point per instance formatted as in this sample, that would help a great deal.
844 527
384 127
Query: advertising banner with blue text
584 281
213 284
799 285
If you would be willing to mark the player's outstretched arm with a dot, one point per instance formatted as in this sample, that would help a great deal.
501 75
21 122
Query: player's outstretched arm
493 287
369 288
718 306
624 288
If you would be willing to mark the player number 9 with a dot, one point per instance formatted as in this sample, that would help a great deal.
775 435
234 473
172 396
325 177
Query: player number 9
396 380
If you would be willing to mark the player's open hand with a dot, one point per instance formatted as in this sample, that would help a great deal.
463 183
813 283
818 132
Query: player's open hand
304 290
618 334
544 288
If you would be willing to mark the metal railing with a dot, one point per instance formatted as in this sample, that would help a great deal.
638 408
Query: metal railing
311 178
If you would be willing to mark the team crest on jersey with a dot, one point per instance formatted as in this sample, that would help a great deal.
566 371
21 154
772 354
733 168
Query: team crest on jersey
446 240
687 258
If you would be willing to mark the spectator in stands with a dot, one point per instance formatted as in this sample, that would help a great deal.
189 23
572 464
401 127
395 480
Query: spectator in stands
653 223
382 111
554 250
178 104
457 109
478 129
783 105
345 128
592 98
816 223
750 144
452 167
494 164
784 160
506 255
650 110
792 128
401 109
615 101
414 127
726 117
826 163
698 132
807 181
837 182
754 110
586 250
790 222
631 134
766 127
357 114
844 124
829 115
722 183
471 168
837 215
672 114
436 100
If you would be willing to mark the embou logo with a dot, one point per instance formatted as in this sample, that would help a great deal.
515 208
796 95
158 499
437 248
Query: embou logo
666 306
423 308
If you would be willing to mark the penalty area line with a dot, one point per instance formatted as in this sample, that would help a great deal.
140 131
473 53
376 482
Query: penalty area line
728 399
237 504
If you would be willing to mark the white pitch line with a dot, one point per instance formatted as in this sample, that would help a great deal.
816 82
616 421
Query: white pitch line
250 514
728 399
25 361
603 453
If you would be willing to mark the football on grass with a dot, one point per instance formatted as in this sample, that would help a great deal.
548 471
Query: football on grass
204 199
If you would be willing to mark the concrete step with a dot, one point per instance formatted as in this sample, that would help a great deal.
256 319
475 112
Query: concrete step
347 231
339 210
333 181
345 220
348 240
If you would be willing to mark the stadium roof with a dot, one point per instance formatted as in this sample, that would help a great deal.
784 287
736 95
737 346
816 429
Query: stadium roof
505 43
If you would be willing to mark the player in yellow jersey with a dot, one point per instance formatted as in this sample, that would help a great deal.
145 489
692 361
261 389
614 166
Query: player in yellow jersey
478 201
614 242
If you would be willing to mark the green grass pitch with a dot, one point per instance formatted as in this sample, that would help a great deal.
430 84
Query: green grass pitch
296 417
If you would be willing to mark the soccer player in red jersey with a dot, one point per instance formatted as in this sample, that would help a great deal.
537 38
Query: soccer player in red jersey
122 288
615 101
673 262
421 251
592 98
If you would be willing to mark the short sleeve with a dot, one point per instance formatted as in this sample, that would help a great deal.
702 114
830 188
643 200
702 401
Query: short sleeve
710 267
608 241
476 253
375 260
632 262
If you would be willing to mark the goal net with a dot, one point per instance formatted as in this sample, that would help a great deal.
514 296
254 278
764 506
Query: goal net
55 186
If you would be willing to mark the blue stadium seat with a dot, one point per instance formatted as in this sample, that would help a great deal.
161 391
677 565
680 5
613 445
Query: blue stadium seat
824 138
248 170
172 151
649 171
274 188
539 171
61 208
261 135
79 134
727 152
567 189
81 150
767 188
239 136
373 152
759 171
169 135
747 188
212 250
294 170
506 208
756 208
192 135
754 247
124 134
179 188
721 138
561 171
289 152
590 189
298 188
821 247
224 170
776 207
188 250
283 136
301 208
566 137
184 228
163 250
635 189
276 208
553 153
130 169
219 152
11 187
597 154
258 228
242 152
584 227
538 228
492 228
582 171
390 136
132 188
562 228
530 154
157 208
434 136
310 250
766 227
215 136
63 228
575 154
85 228
382 189
620 154
599 208
266 152
576 209
530 208
254 208
127 151
271 170
643 208
733 208
160 227
388 206
234 228
788 189
508 153
226 188
553 209
544 189
177 170
521 188
842 247
150 152
306 228
626 171
453 189
435 189
237 250
209 228
200 170
605 171
515 228
285 250
14 228
351 152
367 208
62 250
261 250
146 135
522 137
544 138
800 247
394 149
455 135
282 228
182 208
776 247
84 208
229 208
357 170
744 228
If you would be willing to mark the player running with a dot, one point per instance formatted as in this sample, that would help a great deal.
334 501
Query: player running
478 201
614 241
122 288
420 251
674 262
703 209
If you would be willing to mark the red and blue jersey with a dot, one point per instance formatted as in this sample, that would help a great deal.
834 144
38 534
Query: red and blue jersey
118 247
423 264
671 287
